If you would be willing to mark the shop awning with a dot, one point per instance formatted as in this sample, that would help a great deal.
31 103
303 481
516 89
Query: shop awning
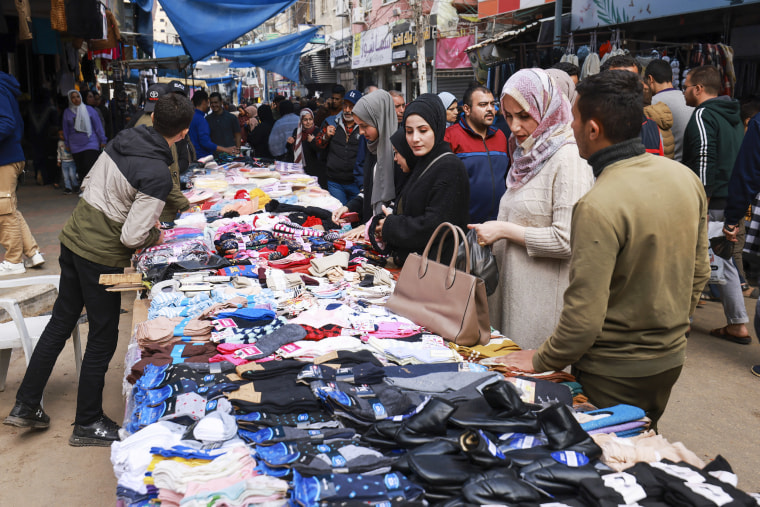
204 26
171 62
281 55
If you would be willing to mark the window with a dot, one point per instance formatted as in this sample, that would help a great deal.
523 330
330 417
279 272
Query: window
324 6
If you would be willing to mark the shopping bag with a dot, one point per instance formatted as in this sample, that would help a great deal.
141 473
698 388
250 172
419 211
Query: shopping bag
445 300
482 262
716 269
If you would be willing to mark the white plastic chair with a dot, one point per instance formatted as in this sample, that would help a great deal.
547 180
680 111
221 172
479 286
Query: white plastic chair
25 331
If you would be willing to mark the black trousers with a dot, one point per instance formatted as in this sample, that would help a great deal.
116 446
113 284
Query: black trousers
84 161
79 288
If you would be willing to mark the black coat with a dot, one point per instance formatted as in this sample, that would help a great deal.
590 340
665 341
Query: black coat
313 164
430 197
258 138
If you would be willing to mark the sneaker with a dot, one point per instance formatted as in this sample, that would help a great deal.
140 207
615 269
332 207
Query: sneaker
101 433
66 191
35 260
755 370
9 268
24 416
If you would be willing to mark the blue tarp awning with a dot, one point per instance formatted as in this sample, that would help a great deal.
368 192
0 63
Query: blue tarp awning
211 81
204 26
281 55
162 50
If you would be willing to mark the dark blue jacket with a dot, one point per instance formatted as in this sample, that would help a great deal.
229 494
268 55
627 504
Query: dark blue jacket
744 184
487 163
11 123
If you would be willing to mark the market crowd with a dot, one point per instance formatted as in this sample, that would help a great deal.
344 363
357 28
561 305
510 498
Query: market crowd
598 199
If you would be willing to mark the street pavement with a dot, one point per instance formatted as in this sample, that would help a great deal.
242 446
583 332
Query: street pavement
714 408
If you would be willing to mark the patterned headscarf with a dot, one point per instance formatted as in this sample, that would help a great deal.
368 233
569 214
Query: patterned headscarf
540 97
301 136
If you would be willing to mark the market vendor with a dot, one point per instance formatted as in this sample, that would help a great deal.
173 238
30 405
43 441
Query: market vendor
639 261
124 195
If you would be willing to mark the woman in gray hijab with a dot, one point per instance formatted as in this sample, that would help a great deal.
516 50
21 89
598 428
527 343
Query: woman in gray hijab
375 114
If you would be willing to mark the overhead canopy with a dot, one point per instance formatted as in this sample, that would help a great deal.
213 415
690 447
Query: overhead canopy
171 62
281 55
204 26
162 50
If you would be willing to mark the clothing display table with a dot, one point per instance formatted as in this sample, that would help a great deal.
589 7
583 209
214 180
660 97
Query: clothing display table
265 370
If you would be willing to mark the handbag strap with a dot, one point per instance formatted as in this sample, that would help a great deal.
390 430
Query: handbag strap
458 233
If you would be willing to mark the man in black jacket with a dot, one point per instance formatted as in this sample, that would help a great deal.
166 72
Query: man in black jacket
340 137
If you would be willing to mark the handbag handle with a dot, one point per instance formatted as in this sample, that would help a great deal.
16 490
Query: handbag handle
457 231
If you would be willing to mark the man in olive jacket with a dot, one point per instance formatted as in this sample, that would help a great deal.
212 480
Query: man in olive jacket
123 196
639 259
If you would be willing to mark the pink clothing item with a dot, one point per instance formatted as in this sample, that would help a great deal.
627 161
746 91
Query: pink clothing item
542 99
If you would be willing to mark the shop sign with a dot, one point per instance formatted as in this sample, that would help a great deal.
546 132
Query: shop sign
487 8
407 50
372 48
593 13
408 37
340 54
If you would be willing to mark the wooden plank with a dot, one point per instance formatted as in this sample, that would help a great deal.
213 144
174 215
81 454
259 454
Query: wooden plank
125 287
114 279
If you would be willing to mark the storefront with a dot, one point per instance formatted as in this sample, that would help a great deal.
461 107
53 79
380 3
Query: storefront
453 70
404 75
340 61
371 57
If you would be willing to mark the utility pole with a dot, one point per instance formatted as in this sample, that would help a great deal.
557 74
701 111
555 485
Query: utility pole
420 34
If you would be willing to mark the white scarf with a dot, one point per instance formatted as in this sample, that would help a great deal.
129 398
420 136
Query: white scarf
82 121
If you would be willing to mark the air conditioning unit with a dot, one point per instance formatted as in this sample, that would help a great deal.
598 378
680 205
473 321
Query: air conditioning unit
357 15
397 11
342 8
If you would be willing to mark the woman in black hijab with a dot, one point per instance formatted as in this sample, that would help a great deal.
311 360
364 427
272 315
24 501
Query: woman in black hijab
438 189
258 138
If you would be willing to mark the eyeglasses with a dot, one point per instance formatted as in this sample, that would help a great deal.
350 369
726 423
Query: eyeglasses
689 86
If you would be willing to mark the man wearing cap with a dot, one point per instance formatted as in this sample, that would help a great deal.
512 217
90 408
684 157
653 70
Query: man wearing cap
340 137
176 200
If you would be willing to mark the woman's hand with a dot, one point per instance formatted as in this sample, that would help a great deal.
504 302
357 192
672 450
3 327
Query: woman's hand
488 232
356 234
492 231
290 140
310 138
381 222
338 213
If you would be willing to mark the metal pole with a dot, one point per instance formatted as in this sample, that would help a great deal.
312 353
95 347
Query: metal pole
557 23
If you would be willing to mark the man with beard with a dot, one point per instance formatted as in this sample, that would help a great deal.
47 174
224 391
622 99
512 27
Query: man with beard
340 138
483 149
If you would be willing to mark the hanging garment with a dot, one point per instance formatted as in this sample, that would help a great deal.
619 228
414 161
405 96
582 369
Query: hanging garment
24 20
58 15
113 35
591 66
84 19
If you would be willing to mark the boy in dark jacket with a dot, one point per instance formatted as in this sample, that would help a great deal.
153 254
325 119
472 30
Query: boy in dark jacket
124 195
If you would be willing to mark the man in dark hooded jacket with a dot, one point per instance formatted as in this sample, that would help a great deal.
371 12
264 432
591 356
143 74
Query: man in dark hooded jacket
123 196
711 143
